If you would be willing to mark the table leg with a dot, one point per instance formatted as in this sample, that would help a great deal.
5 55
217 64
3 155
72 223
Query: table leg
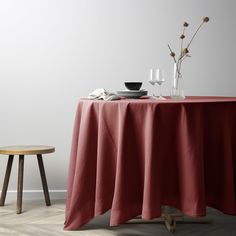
20 184
166 217
171 219
44 180
169 222
6 180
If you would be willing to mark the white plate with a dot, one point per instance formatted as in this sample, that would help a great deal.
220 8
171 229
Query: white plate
132 93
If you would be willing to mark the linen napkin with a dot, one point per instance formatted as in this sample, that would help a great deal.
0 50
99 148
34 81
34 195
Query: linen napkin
101 93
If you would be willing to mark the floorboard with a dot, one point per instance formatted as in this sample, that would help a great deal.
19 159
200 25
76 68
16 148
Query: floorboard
38 219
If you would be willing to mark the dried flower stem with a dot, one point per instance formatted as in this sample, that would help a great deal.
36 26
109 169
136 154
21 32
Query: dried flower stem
171 52
177 69
181 51
182 41
195 34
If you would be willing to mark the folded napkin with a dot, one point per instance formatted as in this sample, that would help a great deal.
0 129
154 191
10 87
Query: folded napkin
101 93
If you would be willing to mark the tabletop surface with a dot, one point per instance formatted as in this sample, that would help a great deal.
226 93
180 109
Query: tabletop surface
26 150
146 99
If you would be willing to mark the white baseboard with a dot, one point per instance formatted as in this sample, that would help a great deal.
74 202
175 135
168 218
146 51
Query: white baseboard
36 194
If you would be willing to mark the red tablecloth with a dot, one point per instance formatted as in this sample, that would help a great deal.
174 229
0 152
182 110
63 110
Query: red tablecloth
132 156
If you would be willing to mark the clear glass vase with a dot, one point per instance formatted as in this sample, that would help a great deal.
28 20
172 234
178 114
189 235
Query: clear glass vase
177 86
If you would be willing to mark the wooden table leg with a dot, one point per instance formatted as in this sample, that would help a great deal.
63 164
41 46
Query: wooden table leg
6 180
20 184
171 219
169 222
168 219
44 180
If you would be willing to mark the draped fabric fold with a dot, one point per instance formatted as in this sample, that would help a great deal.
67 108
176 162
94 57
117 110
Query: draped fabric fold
133 156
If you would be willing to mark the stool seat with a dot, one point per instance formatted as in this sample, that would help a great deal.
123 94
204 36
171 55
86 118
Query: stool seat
26 150
21 151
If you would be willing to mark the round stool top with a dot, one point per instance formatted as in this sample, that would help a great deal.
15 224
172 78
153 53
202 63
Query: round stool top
26 150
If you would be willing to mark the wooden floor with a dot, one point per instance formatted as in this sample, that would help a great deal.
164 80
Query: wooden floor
39 220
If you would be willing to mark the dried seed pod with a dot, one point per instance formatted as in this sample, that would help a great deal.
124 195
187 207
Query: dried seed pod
186 24
182 36
206 19
185 51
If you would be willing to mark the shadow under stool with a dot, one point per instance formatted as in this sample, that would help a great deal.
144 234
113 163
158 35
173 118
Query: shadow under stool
21 151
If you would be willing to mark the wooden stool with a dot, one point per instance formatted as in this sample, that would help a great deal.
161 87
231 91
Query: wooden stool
21 151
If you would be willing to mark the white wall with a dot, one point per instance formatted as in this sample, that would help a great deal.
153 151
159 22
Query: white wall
53 52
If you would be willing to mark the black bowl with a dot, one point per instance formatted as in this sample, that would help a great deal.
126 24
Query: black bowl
133 85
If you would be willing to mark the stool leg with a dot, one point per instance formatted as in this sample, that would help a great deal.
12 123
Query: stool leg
6 180
20 184
44 180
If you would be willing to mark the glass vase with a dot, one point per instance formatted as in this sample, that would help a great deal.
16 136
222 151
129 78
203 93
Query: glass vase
177 86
